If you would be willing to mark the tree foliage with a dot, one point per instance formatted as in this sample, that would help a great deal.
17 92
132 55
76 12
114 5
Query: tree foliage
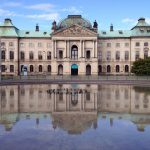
141 67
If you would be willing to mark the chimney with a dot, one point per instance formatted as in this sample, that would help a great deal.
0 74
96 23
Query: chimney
111 27
37 28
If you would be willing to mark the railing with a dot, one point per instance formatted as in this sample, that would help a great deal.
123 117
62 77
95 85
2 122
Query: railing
79 77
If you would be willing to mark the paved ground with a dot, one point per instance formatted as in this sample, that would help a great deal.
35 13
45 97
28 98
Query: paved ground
45 81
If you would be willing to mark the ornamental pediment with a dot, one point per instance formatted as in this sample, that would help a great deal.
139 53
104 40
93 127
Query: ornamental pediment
75 31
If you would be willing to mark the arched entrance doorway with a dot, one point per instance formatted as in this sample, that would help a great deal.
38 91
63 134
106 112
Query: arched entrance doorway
74 70
88 70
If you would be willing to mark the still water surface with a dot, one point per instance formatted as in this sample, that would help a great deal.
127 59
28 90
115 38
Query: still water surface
74 117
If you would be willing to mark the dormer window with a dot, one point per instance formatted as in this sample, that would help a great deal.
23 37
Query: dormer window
104 32
45 33
142 31
27 32
120 32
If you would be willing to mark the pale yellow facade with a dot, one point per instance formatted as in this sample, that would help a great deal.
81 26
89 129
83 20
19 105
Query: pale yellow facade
72 49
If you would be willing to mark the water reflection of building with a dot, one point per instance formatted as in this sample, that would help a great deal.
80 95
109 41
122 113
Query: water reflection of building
75 105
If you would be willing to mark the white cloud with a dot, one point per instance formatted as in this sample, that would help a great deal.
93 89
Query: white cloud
129 20
12 4
148 20
72 10
7 13
50 16
43 7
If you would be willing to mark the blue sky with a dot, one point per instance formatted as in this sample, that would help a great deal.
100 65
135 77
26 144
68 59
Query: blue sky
122 13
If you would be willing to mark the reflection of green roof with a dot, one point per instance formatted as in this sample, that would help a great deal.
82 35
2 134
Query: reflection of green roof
74 19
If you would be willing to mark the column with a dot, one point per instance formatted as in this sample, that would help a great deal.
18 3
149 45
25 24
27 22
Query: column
55 50
66 50
94 48
83 50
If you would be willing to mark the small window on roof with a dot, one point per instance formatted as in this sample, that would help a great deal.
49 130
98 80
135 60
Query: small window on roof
104 32
142 30
120 32
45 32
148 31
27 32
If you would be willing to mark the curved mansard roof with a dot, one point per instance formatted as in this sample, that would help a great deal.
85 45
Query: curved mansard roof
142 29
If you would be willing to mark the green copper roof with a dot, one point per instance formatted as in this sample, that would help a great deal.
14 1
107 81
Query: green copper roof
115 34
34 34
74 19
142 29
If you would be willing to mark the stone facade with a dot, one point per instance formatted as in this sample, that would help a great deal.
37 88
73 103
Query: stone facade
73 47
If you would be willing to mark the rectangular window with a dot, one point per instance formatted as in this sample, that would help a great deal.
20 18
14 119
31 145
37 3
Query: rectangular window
48 55
137 44
100 55
108 44
11 44
22 55
22 44
126 44
117 44
117 55
48 45
3 68
88 54
40 55
31 56
108 55
31 45
146 44
11 55
137 55
126 55
2 44
11 68
145 54
60 54
39 44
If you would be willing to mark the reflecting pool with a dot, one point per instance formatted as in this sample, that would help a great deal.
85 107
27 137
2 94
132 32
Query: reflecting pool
74 117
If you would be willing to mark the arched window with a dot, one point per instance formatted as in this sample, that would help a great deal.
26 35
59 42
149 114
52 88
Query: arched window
126 68
49 68
74 52
60 70
88 70
117 68
40 68
3 55
99 69
31 68
108 68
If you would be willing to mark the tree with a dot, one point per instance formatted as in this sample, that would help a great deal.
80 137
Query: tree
141 67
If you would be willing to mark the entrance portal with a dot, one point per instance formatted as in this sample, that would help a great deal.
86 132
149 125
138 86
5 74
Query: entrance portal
74 70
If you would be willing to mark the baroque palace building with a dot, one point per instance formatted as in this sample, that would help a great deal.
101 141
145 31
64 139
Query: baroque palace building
73 47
